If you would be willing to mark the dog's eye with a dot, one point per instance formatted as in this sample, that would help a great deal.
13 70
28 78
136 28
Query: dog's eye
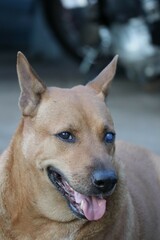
109 137
66 136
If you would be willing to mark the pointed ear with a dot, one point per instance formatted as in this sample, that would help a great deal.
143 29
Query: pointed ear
102 82
30 85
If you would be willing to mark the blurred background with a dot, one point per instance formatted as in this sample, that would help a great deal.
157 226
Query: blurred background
68 42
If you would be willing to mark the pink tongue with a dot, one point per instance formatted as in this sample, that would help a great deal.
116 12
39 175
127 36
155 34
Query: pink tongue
93 207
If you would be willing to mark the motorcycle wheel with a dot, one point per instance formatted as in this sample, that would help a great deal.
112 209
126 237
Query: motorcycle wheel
75 28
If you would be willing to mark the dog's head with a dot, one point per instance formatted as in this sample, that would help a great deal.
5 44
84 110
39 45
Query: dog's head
68 139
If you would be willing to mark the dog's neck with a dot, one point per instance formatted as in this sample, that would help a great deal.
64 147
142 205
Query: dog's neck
15 204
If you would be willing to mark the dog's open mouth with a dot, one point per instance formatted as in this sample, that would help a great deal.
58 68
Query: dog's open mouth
88 207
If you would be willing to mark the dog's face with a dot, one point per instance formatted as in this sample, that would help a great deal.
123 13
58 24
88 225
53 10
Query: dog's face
68 139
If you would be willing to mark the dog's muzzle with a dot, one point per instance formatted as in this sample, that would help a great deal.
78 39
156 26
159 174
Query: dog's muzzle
91 207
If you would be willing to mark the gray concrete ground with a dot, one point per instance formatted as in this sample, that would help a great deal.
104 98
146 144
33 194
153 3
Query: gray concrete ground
136 113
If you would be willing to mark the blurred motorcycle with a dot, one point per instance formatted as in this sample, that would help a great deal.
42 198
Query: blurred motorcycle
94 29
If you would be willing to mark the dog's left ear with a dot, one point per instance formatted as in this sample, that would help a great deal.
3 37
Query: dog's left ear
102 82
31 86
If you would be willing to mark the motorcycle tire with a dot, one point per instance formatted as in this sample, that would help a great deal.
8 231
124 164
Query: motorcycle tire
65 24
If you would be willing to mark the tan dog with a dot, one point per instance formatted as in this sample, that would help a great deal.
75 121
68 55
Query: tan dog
62 176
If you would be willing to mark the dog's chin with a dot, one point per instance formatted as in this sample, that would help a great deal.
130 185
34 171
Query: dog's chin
84 207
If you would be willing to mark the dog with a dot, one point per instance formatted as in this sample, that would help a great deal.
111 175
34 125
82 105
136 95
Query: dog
65 177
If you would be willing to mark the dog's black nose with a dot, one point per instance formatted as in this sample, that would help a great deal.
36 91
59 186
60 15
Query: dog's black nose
104 180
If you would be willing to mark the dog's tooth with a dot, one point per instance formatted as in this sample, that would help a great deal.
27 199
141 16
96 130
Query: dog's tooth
82 203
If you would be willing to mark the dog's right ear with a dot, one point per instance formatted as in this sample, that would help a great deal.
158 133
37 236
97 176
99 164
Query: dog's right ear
31 86
102 82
